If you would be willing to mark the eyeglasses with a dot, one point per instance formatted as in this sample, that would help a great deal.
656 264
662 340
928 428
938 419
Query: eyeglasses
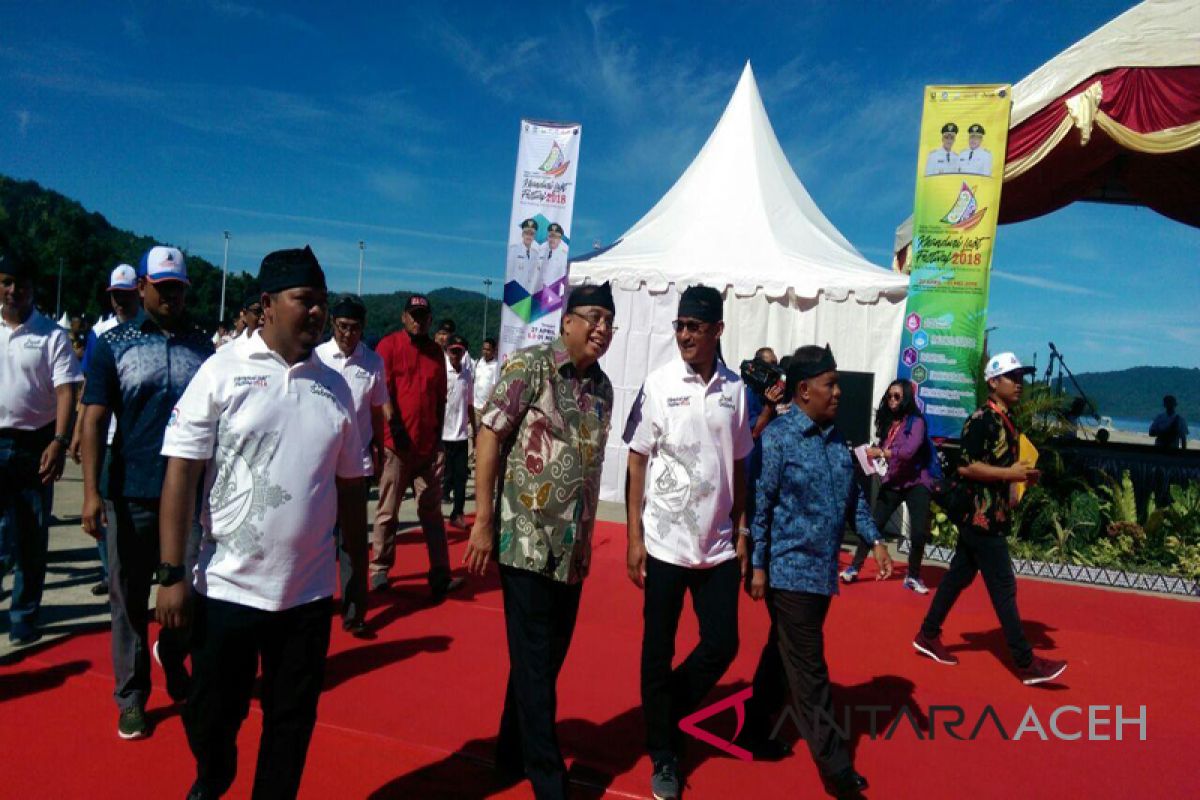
255 310
347 327
689 325
595 320
895 396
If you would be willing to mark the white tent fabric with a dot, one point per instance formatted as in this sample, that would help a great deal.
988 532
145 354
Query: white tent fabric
1154 33
64 321
739 219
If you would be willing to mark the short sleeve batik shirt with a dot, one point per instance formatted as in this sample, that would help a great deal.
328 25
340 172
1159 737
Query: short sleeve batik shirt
553 423
989 437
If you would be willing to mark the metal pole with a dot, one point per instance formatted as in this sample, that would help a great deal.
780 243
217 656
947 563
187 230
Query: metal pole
58 300
487 298
224 276
362 247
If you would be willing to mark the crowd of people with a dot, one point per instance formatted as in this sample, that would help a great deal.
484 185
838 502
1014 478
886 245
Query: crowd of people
273 433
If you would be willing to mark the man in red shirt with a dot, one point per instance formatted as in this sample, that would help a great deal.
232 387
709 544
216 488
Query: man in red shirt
414 367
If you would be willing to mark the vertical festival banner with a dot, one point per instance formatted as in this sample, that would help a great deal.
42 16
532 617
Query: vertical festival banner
960 169
539 234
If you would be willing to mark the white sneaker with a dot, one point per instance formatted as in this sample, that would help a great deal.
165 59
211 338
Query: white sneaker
916 585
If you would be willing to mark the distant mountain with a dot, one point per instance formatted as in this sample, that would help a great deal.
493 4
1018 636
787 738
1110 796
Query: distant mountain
50 229
1138 392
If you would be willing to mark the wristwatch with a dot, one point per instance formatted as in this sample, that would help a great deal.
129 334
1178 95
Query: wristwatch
63 439
168 574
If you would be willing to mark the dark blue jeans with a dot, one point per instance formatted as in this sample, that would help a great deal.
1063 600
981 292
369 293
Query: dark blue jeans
24 518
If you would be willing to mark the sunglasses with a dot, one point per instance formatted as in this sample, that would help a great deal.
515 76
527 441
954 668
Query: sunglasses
895 396
689 325
595 320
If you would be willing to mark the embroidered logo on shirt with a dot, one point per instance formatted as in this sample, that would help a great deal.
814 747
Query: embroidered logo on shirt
254 381
726 402
242 492
320 390
34 343
676 402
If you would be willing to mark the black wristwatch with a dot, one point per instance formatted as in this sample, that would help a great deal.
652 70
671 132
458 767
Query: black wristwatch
63 439
168 574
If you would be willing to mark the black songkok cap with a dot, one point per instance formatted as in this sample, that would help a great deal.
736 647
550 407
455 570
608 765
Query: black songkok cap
599 295
701 302
251 298
10 264
801 368
287 269
350 306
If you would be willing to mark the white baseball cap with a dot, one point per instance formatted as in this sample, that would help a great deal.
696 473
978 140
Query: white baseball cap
1003 364
123 278
164 264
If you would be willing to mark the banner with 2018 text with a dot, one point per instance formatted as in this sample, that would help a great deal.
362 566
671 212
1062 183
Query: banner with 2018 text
960 170
539 234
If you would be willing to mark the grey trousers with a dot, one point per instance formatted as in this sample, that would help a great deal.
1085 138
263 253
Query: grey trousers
132 556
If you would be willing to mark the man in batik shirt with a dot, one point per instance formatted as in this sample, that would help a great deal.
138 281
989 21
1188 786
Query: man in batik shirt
548 420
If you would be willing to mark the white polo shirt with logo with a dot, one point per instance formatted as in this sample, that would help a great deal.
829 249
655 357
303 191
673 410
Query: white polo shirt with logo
692 432
35 359
363 371
275 437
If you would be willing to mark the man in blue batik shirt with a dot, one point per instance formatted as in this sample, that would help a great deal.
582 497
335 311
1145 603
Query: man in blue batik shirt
138 371
806 487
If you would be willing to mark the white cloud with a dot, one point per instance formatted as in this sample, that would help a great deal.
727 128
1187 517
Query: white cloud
23 120
1046 283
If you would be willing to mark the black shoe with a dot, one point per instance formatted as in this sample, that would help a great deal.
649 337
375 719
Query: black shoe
358 629
100 589
846 785
443 588
379 582
765 749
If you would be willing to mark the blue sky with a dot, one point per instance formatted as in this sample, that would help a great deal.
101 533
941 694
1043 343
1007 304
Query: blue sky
330 123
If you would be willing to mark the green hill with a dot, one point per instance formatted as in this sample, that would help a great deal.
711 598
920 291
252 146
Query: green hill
50 229
46 227
1138 392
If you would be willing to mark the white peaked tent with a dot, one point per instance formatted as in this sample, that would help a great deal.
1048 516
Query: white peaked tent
739 219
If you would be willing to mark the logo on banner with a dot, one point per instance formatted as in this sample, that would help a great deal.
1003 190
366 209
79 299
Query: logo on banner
964 215
555 164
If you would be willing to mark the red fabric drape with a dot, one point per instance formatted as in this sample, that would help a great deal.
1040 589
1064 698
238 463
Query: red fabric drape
1143 100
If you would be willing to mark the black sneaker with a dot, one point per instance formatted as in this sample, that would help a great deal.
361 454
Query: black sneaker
846 785
1041 670
664 783
132 723
179 683
100 589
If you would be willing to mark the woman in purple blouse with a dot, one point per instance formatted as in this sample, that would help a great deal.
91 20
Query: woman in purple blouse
900 432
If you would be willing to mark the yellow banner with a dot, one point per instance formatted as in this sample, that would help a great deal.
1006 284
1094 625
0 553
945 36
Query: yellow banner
960 170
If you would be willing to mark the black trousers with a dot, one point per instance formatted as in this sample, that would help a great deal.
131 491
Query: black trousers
454 480
539 616
917 499
228 640
669 695
132 557
985 553
797 625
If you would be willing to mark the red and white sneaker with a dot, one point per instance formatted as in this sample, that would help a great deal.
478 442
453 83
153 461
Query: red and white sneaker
933 647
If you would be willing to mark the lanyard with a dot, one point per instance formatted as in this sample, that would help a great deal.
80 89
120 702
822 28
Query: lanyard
1012 430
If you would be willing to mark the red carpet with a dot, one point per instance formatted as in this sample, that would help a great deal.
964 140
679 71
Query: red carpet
413 713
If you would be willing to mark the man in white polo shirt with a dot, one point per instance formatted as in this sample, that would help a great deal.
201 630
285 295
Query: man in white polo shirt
38 379
688 439
271 431
363 371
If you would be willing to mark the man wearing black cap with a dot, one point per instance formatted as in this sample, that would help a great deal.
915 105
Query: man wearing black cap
38 378
271 431
688 438
548 419
251 315
944 160
805 492
457 428
362 369
525 258
975 160
415 370
136 374
554 261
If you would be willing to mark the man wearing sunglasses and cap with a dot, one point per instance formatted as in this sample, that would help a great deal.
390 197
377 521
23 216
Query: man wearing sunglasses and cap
688 437
989 470
136 374
271 431
414 367
543 434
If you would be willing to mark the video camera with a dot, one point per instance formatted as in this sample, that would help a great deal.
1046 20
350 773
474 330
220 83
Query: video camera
761 376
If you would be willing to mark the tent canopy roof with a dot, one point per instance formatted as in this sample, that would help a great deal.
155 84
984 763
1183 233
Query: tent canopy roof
739 217
1154 33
